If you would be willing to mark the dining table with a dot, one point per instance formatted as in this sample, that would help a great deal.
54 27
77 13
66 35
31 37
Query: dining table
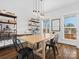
34 39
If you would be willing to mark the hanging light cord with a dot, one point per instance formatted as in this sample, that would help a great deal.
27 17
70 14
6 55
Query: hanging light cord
33 5
42 8
38 7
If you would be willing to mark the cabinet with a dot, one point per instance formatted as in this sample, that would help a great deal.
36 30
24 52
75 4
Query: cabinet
34 26
8 27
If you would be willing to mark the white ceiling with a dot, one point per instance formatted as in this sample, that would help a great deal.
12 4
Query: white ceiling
54 4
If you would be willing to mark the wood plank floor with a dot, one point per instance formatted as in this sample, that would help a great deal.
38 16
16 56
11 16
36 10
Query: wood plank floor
65 52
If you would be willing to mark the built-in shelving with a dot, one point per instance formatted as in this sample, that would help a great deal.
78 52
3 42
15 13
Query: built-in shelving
8 27
34 24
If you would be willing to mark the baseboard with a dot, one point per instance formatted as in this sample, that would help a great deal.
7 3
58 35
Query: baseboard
67 44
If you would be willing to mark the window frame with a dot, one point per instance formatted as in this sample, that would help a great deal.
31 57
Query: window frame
70 27
52 25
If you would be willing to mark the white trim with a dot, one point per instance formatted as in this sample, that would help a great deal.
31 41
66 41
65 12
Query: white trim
69 27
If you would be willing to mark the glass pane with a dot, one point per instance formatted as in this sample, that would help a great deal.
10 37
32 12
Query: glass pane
46 26
70 27
70 21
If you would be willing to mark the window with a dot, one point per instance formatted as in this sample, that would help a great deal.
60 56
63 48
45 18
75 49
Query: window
46 26
70 27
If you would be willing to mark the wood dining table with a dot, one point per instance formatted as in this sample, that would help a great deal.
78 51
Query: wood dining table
33 39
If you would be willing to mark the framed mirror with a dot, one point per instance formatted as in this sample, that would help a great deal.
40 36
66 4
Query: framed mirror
55 24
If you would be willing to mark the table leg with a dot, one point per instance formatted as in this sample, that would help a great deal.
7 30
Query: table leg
43 50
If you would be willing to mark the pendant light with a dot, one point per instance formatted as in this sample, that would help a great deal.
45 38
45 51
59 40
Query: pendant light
42 9
35 8
38 8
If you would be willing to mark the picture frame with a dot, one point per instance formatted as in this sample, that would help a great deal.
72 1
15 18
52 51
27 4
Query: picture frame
55 24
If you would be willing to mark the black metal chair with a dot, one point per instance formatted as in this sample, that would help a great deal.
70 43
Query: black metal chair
53 44
22 52
0 37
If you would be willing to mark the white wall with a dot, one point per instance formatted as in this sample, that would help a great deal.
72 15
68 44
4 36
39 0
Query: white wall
59 13
77 44
69 9
23 10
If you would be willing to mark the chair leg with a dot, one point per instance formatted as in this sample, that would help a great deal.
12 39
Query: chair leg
57 50
54 52
49 48
16 57
37 45
33 55
45 48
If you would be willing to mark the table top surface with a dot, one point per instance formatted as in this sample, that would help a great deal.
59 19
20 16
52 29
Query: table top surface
35 38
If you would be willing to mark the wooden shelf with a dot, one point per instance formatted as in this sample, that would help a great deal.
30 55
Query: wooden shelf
30 29
34 25
2 14
34 21
7 22
7 30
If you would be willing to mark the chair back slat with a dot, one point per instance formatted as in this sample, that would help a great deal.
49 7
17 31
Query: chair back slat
54 40
17 44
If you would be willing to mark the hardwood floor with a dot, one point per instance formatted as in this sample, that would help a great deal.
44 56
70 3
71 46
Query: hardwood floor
65 52
77 53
